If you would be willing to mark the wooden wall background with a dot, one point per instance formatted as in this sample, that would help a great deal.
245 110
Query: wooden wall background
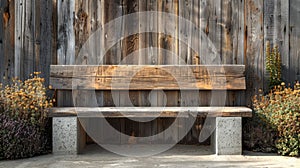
37 33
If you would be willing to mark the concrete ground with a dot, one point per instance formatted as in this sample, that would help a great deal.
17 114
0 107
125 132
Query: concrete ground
180 156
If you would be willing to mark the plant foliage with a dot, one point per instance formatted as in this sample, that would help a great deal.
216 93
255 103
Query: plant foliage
19 139
273 65
23 118
280 110
26 100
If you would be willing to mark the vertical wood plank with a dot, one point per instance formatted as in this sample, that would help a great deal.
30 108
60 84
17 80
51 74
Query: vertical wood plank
66 35
185 11
270 28
254 47
36 29
144 42
65 43
240 34
294 40
238 51
7 39
213 29
29 39
19 30
152 40
171 44
276 23
28 48
54 31
46 31
194 33
227 27
113 9
284 37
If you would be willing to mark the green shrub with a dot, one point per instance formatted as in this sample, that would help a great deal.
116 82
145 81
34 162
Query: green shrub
273 65
23 116
280 110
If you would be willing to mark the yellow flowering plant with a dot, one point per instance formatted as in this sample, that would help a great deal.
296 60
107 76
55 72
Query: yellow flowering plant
280 109
26 100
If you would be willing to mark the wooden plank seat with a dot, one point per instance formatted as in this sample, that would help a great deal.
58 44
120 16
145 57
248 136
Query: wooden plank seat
227 136
163 112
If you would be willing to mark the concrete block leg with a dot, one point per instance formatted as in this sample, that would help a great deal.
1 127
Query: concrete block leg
68 136
227 138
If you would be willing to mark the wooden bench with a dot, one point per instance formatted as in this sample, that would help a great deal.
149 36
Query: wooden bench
227 137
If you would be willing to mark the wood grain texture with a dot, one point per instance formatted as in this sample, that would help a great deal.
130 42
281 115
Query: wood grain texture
276 23
232 35
120 112
19 30
66 36
28 48
35 35
284 37
294 40
65 43
254 47
46 38
148 77
7 40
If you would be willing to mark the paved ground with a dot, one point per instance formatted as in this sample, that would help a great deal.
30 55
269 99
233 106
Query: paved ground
179 156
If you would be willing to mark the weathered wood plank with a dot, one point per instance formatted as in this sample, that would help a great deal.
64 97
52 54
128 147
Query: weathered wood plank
238 46
54 31
170 56
211 24
28 48
46 48
65 43
184 12
185 57
66 36
36 29
284 37
148 77
229 24
276 23
254 47
232 25
35 23
120 112
88 19
294 40
7 40
19 37
115 54
240 36
109 71
145 54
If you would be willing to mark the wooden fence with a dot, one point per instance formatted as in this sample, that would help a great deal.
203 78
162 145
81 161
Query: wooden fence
37 33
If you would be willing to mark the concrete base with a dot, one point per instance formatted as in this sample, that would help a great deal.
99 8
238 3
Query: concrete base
227 138
68 136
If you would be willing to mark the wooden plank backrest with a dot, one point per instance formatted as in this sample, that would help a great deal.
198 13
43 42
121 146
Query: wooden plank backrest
148 77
